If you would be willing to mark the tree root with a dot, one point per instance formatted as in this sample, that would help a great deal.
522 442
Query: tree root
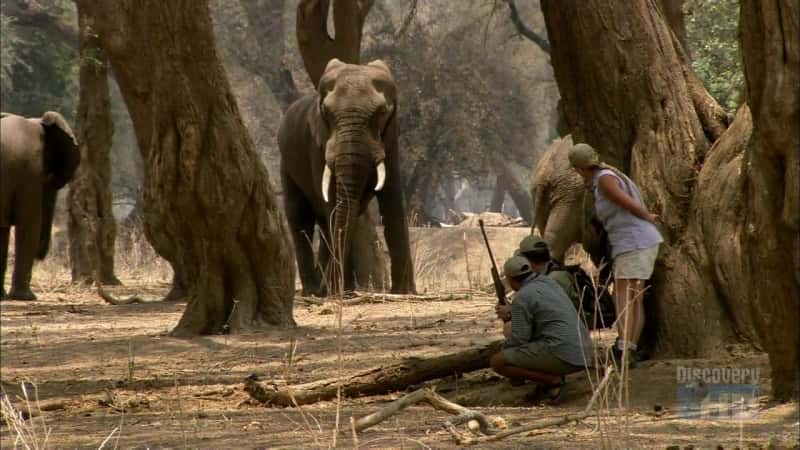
108 298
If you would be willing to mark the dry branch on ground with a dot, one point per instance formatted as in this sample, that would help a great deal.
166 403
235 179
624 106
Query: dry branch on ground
361 298
374 381
478 421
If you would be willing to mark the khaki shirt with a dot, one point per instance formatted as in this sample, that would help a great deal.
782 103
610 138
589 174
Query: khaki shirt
567 283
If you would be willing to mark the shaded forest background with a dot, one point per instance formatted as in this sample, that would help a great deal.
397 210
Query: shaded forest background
478 100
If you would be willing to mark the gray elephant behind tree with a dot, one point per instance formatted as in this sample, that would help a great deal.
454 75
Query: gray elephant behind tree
563 205
38 156
339 149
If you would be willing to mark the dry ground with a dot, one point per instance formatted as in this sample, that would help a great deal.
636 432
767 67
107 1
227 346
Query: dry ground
113 371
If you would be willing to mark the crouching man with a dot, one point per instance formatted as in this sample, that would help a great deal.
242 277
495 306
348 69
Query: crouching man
545 340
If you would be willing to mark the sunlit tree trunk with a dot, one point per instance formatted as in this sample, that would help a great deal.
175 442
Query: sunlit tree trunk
208 204
92 229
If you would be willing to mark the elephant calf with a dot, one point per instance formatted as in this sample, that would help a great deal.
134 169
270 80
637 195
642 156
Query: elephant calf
38 156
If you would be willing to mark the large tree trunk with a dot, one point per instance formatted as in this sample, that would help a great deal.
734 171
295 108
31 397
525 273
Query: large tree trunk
516 185
498 196
209 207
768 229
92 229
717 281
713 118
317 46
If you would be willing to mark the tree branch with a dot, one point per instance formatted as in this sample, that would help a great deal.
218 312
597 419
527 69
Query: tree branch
316 45
524 30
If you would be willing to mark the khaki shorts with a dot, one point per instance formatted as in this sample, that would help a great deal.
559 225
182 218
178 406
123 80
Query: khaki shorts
535 356
636 264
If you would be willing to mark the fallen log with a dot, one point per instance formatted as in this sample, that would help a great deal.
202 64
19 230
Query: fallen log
374 381
364 298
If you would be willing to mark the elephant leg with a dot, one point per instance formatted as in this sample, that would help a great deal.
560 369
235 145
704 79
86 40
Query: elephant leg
4 233
26 244
337 273
324 261
301 221
390 202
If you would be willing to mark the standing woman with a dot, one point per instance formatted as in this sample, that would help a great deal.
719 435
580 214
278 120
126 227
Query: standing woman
633 236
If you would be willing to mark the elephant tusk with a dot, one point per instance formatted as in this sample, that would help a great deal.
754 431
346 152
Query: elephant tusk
326 182
381 169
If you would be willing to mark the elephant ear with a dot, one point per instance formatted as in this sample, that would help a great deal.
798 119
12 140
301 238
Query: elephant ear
61 152
317 125
380 64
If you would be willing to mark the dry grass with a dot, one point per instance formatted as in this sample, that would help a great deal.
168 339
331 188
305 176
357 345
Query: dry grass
192 392
26 422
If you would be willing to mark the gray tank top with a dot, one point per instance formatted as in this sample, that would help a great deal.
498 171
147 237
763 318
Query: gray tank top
626 232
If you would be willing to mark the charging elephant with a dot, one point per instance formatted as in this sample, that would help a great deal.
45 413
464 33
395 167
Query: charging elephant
338 150
563 205
38 156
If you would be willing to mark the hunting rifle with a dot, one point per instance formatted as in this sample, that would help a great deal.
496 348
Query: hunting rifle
499 287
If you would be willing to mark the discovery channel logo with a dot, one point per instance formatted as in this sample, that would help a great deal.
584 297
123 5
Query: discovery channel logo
718 393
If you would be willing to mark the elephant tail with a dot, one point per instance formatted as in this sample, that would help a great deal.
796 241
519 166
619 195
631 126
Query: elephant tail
44 247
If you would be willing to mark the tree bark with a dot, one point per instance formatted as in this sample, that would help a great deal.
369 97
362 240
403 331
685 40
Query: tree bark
769 227
208 204
92 229
673 12
724 274
378 380
317 47
499 194
712 117
516 187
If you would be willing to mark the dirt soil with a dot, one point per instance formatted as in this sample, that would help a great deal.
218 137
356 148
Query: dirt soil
105 371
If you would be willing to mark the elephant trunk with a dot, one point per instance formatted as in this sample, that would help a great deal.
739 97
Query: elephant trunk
48 211
351 174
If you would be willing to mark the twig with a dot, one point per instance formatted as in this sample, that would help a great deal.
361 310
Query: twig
524 30
545 423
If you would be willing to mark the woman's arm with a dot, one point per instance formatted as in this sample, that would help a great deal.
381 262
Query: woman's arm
609 186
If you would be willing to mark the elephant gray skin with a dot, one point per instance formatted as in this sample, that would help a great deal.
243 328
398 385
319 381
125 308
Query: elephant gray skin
563 205
339 150
38 156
